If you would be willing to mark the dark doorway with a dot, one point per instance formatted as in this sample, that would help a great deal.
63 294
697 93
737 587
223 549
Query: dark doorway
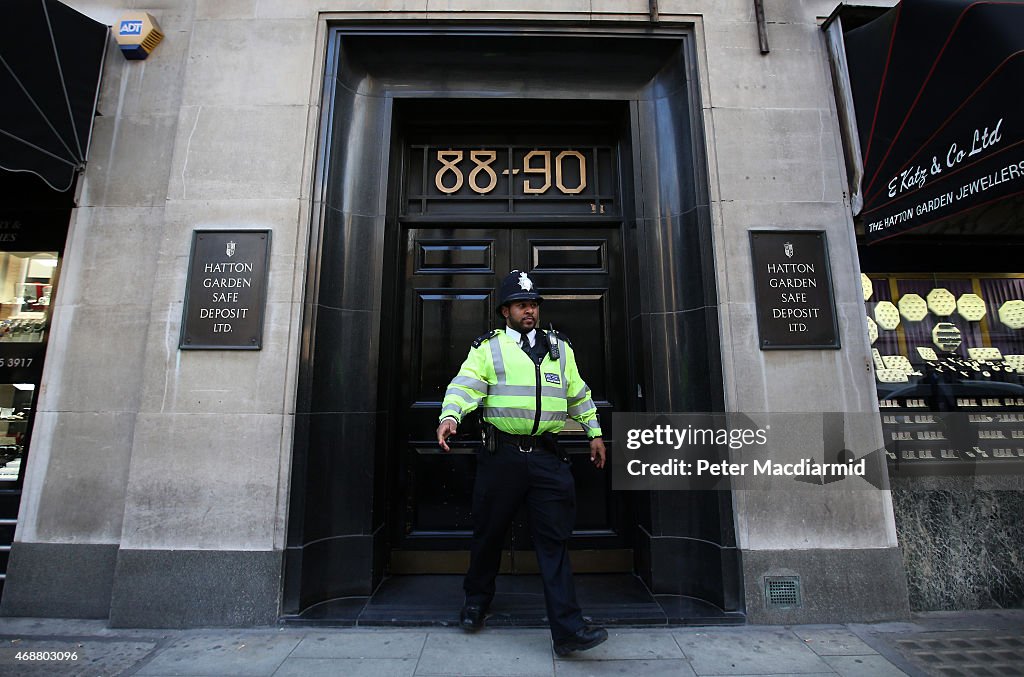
462 138
450 277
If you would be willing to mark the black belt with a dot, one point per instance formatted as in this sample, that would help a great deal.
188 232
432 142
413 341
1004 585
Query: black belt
528 443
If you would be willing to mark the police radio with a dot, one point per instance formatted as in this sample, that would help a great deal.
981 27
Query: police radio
552 343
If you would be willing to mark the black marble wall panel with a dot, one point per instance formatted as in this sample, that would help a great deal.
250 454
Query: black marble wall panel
335 508
963 547
695 568
691 534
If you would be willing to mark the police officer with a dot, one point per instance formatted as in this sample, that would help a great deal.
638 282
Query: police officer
525 381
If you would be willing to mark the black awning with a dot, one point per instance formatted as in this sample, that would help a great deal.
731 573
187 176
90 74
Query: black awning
938 90
51 58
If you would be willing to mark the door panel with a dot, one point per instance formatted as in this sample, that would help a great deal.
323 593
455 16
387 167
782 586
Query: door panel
451 275
448 302
578 272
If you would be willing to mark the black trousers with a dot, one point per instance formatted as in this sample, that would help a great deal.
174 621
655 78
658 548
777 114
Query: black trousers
504 480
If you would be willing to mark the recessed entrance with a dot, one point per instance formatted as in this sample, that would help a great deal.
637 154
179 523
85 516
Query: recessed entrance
448 159
542 197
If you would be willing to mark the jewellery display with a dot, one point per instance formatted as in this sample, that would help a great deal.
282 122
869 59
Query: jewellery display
872 330
866 286
912 307
946 336
985 354
891 375
22 330
1011 314
970 307
899 363
958 399
941 302
887 315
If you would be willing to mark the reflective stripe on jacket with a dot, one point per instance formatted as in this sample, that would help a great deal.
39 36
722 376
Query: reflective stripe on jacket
502 380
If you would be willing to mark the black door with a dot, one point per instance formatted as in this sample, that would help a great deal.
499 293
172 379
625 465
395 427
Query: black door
450 279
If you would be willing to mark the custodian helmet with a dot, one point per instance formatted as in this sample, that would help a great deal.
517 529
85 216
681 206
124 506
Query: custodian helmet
516 286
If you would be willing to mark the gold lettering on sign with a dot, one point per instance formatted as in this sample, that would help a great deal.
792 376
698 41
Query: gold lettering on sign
528 168
475 156
448 160
483 178
583 172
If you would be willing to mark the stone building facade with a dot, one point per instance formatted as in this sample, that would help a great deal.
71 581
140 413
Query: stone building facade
188 487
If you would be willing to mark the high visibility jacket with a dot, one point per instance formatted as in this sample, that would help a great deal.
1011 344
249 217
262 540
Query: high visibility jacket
517 395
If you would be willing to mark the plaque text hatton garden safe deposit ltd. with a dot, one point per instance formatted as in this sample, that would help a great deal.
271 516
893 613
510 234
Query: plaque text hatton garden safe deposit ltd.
226 290
793 290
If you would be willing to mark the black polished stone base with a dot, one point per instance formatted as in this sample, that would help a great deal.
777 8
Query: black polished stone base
606 599
59 580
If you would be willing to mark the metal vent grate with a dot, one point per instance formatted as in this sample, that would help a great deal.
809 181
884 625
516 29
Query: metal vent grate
781 592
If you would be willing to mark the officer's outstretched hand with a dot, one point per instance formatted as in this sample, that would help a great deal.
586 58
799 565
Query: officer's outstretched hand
597 452
444 431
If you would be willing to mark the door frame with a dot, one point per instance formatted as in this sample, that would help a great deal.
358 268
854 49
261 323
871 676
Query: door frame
337 536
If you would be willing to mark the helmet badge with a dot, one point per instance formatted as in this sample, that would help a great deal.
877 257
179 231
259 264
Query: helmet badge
524 282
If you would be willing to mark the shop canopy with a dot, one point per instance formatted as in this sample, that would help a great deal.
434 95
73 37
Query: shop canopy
51 58
938 95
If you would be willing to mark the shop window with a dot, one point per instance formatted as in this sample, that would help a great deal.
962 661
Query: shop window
27 285
15 409
26 291
948 352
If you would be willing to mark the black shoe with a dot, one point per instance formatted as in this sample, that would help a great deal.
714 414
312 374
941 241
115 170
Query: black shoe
472 617
585 638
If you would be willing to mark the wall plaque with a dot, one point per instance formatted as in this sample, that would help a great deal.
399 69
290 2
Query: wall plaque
793 290
226 290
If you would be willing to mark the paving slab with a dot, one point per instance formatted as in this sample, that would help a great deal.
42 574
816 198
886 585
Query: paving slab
632 645
863 666
834 640
488 654
625 668
349 667
973 643
228 654
11 625
748 651
355 644
967 652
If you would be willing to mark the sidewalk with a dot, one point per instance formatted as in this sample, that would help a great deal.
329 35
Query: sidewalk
969 643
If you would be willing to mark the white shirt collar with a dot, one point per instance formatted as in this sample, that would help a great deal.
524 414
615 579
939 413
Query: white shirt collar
517 337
